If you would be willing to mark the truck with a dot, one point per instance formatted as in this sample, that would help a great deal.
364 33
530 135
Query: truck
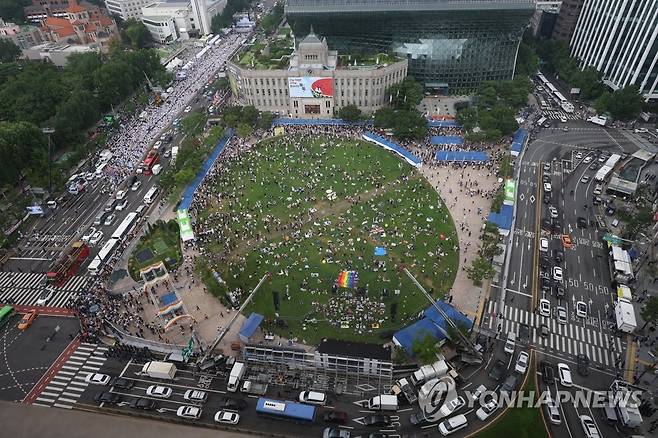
234 377
427 372
160 370
384 402
404 387
625 315
250 387
68 265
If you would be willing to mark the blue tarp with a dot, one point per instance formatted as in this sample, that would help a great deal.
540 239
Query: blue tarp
432 323
518 140
474 156
393 147
447 139
188 194
249 326
317 122
380 251
502 220
168 299
443 124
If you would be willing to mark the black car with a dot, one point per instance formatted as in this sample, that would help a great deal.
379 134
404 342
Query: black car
107 397
545 283
583 365
509 384
557 226
234 404
377 420
145 404
560 292
547 373
581 222
338 417
497 372
122 383
418 419
546 224
558 255
596 200
546 178
547 198
524 333
545 263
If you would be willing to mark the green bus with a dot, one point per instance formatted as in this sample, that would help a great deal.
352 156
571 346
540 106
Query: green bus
5 314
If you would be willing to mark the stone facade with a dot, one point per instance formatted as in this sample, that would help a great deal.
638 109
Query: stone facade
272 89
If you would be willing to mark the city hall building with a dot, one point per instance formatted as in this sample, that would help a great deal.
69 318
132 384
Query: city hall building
452 45
309 80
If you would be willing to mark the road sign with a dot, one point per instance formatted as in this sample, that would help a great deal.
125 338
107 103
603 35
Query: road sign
187 351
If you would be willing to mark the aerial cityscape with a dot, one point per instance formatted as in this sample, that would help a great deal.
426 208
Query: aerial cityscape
329 218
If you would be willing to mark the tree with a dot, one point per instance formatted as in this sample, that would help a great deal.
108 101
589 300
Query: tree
424 348
12 10
350 113
232 116
406 94
467 117
650 312
193 124
114 82
8 50
480 270
409 124
384 117
249 115
265 120
626 104
22 145
272 20
136 33
244 130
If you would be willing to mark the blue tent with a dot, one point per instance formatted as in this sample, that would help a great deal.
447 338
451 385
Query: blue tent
380 251
317 122
250 326
502 220
447 139
393 147
470 156
518 141
433 324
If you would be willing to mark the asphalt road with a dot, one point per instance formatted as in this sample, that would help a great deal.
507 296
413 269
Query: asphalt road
563 158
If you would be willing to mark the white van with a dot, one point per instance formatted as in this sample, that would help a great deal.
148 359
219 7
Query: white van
510 344
151 195
313 398
453 424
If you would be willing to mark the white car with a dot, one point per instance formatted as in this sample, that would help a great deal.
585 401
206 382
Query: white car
452 406
110 220
589 427
563 119
121 205
584 179
96 237
553 211
452 424
195 396
157 145
557 273
487 409
136 185
543 244
97 379
120 194
227 417
87 236
159 391
191 412
561 313
548 187
579 155
564 373
188 109
45 296
522 363
588 159
581 309
545 308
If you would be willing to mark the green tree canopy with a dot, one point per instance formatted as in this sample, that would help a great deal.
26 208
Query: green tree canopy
650 311
8 50
425 349
350 113
193 124
406 94
22 145
225 19
135 33
244 130
12 10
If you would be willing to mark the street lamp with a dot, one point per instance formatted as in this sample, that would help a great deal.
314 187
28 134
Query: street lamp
49 132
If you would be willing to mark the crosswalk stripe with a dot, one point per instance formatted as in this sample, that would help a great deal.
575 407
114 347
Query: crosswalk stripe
70 394
75 388
589 340
66 367
59 405
47 400
618 344
67 373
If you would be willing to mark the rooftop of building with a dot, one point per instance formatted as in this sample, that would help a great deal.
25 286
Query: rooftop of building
346 6
280 51
354 349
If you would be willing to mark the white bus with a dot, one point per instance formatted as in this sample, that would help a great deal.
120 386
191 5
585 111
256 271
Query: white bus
174 154
541 121
151 195
125 227
96 264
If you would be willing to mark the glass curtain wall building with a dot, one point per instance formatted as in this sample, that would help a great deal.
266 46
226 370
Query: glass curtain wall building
452 45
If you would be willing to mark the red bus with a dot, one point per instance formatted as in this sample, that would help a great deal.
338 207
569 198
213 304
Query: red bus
151 160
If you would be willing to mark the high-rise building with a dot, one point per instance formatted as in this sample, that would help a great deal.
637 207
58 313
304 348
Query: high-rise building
543 21
452 45
567 19
620 39
126 9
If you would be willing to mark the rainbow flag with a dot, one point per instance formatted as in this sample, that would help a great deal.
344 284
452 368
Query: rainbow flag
347 279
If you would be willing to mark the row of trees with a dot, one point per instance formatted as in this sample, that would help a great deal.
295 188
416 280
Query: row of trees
244 119
481 268
270 22
225 19
37 94
622 104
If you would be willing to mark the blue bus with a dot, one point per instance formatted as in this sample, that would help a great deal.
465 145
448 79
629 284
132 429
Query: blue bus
285 410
